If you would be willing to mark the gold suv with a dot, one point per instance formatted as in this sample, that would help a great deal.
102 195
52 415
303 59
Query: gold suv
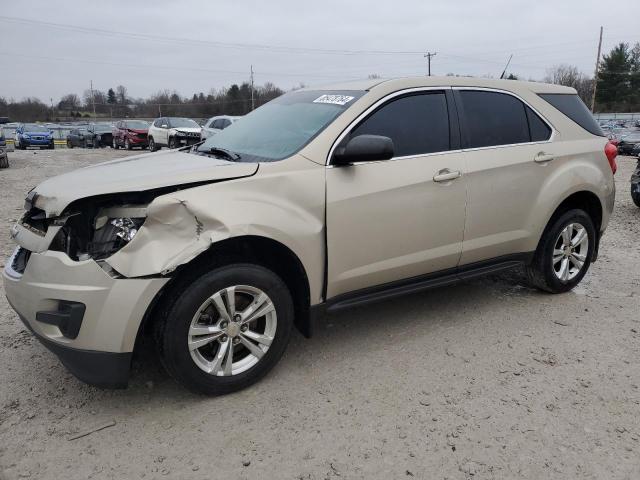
319 200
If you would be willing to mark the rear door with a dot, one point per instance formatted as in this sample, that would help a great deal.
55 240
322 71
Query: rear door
399 218
506 150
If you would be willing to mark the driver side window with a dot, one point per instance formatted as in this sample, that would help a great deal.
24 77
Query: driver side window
416 123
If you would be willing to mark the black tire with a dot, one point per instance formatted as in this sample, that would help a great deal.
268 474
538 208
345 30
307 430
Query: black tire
172 329
127 144
69 144
540 272
51 146
114 145
84 143
4 162
152 145
172 142
635 194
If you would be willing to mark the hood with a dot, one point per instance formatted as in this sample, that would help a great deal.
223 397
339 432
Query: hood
135 174
138 130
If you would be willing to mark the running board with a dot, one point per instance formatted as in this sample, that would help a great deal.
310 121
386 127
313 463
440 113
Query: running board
424 282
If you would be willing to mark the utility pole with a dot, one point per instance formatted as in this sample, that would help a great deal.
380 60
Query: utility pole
93 101
595 75
252 102
428 56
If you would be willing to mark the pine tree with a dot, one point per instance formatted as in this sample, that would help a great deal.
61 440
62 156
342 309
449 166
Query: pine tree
111 96
614 87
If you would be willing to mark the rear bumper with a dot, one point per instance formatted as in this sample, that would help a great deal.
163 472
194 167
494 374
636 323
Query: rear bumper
97 346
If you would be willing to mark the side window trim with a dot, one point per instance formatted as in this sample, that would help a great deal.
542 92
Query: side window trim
463 127
384 100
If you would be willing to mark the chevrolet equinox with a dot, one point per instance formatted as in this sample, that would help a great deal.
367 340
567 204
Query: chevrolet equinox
319 200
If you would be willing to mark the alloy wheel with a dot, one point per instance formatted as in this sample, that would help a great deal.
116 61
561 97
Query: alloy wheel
232 330
570 251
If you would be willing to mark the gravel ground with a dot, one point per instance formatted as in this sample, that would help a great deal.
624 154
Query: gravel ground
488 379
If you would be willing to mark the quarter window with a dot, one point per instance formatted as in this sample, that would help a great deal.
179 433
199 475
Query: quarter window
417 124
493 118
540 131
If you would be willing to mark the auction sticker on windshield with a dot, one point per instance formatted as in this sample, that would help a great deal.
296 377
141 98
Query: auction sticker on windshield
335 99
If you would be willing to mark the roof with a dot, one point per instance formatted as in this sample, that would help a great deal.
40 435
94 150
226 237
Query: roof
449 81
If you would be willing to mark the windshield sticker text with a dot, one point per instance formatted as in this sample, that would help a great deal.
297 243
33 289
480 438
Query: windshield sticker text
335 99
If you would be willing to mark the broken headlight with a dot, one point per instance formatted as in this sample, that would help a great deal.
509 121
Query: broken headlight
113 228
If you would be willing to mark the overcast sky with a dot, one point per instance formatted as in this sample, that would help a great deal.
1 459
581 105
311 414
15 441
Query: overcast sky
194 46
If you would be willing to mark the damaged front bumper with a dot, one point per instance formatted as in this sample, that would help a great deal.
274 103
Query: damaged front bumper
88 318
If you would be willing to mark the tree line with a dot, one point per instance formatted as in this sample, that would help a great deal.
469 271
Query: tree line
117 103
618 90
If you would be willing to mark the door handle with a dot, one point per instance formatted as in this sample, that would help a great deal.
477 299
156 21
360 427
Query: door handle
446 175
543 157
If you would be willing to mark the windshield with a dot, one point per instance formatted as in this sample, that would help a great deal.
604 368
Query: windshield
102 127
138 124
35 128
183 122
283 126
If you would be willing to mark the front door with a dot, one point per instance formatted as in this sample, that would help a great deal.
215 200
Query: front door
395 219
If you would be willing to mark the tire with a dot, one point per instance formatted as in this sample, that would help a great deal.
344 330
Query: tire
635 194
127 145
172 142
172 332
4 162
546 275
51 146
114 145
69 144
84 143
152 145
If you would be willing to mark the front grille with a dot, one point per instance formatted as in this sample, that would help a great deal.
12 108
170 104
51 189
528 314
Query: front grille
20 260
193 134
142 135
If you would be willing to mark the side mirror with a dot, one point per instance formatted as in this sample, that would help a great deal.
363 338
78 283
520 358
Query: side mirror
364 148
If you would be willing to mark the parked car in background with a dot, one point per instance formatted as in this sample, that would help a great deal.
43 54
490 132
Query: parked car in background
635 178
217 124
130 133
628 142
77 137
4 158
33 135
320 200
173 132
99 135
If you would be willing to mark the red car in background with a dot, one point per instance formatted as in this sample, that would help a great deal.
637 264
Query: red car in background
130 133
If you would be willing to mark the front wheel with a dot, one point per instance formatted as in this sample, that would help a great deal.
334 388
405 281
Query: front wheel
69 144
226 329
127 144
172 142
4 162
564 253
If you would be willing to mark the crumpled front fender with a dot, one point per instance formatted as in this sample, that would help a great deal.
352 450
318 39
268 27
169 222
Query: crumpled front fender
281 204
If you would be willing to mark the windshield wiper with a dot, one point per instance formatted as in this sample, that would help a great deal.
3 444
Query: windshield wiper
223 152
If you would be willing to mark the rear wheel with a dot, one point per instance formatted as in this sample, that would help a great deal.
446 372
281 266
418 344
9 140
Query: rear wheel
635 193
4 162
152 145
69 144
564 253
226 329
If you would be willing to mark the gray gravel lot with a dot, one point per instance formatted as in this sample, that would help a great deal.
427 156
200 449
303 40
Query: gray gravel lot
488 379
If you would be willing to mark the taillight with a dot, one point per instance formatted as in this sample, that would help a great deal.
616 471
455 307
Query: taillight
611 151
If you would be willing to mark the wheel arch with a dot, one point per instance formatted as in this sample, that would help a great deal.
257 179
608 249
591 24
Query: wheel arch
262 251
585 200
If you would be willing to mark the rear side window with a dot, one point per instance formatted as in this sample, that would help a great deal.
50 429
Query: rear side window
574 108
492 118
417 124
540 131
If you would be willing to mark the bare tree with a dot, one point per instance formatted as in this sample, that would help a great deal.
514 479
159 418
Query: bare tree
570 76
121 94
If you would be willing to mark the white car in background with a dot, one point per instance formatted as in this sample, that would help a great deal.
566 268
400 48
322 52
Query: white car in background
217 124
173 132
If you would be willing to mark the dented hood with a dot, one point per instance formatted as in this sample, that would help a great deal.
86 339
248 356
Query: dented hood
135 174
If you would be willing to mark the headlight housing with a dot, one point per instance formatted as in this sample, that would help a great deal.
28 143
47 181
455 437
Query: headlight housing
181 134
